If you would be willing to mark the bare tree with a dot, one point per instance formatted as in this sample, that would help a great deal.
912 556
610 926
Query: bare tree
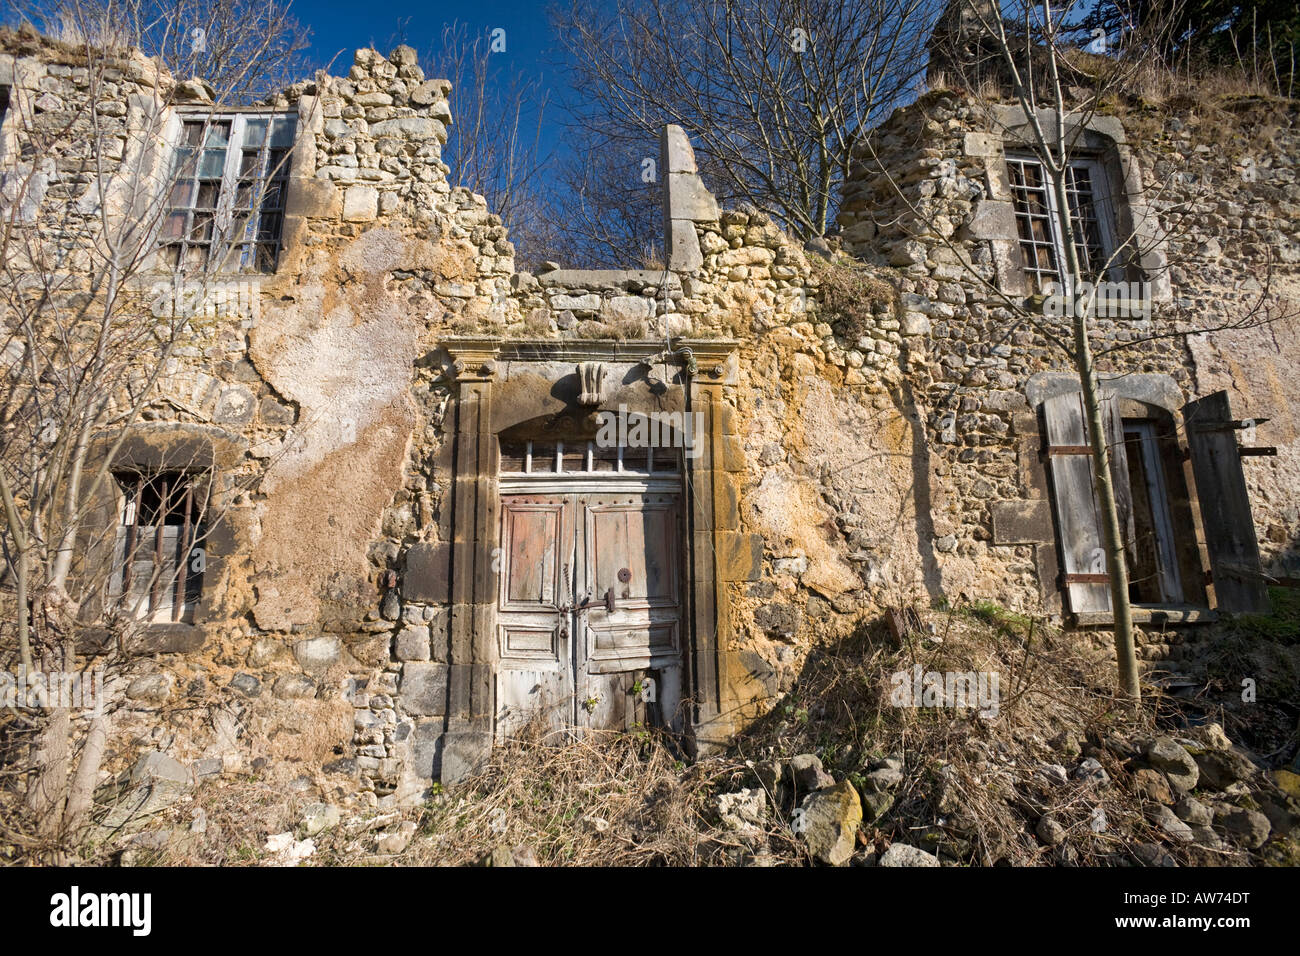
1031 54
773 92
494 144
246 49
94 319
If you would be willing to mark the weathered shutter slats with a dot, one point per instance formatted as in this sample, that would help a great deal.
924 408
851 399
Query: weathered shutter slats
1078 519
1075 501
1238 580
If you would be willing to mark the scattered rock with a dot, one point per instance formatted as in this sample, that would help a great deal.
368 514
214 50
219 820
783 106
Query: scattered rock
1148 854
1049 831
1167 755
1220 769
208 767
1054 774
289 852
320 817
397 841
1212 736
892 762
743 811
507 856
1206 837
900 854
1097 821
1091 773
876 805
1248 828
830 823
883 780
1288 781
158 768
1193 812
1153 785
1066 744
805 772
595 824
1174 828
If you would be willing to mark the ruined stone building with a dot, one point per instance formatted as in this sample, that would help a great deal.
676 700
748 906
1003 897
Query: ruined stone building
417 540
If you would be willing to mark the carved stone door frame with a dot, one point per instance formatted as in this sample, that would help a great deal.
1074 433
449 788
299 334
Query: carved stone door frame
498 385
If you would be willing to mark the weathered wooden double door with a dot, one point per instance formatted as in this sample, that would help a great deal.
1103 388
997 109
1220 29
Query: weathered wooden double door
589 603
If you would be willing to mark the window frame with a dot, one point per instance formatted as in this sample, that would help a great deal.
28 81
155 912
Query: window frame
1036 278
182 585
223 212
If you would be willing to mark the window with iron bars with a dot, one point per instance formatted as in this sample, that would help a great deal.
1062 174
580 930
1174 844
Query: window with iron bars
226 208
158 560
1038 221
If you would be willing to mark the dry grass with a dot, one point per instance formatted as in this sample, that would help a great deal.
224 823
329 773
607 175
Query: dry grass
973 790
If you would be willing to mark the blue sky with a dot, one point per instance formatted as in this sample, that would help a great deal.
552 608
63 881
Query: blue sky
340 27
344 25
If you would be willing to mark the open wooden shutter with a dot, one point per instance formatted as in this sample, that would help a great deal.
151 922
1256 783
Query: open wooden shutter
1237 573
1074 498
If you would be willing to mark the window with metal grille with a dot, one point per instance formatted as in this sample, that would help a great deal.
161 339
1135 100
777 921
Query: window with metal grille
1038 221
226 207
584 458
158 559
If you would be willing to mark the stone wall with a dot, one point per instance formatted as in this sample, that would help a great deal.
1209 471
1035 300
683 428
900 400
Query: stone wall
929 199
873 416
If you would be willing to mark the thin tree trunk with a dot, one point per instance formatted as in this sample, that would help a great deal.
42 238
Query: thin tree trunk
80 795
1116 563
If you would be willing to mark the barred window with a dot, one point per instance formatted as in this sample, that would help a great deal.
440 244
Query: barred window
1038 224
158 559
226 208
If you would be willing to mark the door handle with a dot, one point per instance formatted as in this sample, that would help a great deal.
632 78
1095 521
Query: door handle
587 602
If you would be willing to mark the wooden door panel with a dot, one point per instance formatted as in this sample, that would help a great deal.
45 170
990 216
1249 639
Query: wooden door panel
526 696
611 646
535 672
530 562
565 659
637 535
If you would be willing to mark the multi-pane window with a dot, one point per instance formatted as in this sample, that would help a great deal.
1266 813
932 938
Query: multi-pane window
158 558
226 208
584 458
1038 221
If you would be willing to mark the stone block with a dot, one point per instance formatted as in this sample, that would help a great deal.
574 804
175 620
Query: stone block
675 152
683 247
689 198
427 578
360 203
423 688
1022 521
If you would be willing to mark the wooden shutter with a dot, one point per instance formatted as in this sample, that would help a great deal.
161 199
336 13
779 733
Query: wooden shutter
1237 574
1074 497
